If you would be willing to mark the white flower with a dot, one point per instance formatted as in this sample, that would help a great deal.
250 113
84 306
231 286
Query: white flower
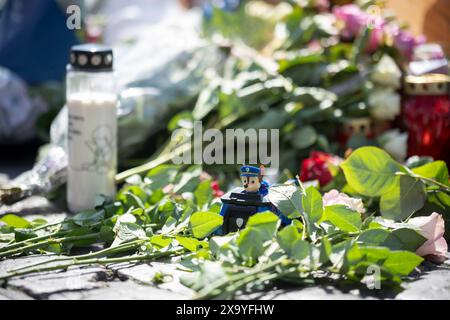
384 103
387 73
395 143
335 197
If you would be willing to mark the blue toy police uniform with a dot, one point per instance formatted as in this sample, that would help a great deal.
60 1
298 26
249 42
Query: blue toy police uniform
240 204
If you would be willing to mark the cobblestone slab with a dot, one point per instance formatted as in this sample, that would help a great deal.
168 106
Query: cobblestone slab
127 281
31 206
144 273
433 285
309 293
41 285
120 290
11 294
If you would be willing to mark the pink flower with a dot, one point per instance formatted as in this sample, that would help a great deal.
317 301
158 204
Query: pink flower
168 189
322 5
433 229
376 35
355 20
404 41
353 17
335 197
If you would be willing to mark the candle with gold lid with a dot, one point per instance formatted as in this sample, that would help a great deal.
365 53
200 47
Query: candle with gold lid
426 114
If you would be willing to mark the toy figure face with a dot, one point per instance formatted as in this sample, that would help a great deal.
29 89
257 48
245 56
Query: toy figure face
251 184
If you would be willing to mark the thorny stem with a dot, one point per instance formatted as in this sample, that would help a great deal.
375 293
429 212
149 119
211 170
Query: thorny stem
48 242
101 261
31 240
168 153
244 278
105 252
47 225
35 239
161 159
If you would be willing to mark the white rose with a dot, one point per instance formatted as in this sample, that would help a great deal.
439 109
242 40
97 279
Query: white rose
395 143
387 73
384 103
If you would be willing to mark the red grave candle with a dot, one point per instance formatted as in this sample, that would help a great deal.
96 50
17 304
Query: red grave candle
426 114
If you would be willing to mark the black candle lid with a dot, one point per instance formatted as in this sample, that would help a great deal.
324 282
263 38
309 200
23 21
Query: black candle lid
91 57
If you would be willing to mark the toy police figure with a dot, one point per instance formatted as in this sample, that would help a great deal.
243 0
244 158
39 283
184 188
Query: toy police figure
241 203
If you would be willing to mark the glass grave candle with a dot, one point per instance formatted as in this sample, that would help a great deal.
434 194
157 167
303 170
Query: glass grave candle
92 138
426 114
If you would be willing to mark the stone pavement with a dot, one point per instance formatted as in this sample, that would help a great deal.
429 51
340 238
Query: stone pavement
129 281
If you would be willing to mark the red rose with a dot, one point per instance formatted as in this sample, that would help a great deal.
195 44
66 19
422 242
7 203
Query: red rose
216 189
316 167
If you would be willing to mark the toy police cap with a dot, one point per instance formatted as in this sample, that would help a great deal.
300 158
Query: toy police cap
249 171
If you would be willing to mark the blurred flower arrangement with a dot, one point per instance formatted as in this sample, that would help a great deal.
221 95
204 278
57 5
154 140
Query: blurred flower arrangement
340 64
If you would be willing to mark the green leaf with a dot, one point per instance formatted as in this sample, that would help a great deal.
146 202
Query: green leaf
169 226
287 198
409 239
203 194
136 191
300 250
127 231
132 200
181 120
215 207
265 222
304 137
343 218
160 241
161 176
339 253
370 171
15 221
290 240
106 233
251 243
208 274
23 234
371 254
188 180
287 237
261 227
38 222
326 249
312 204
436 170
88 218
406 197
402 262
221 244
207 100
373 237
80 243
204 223
191 244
